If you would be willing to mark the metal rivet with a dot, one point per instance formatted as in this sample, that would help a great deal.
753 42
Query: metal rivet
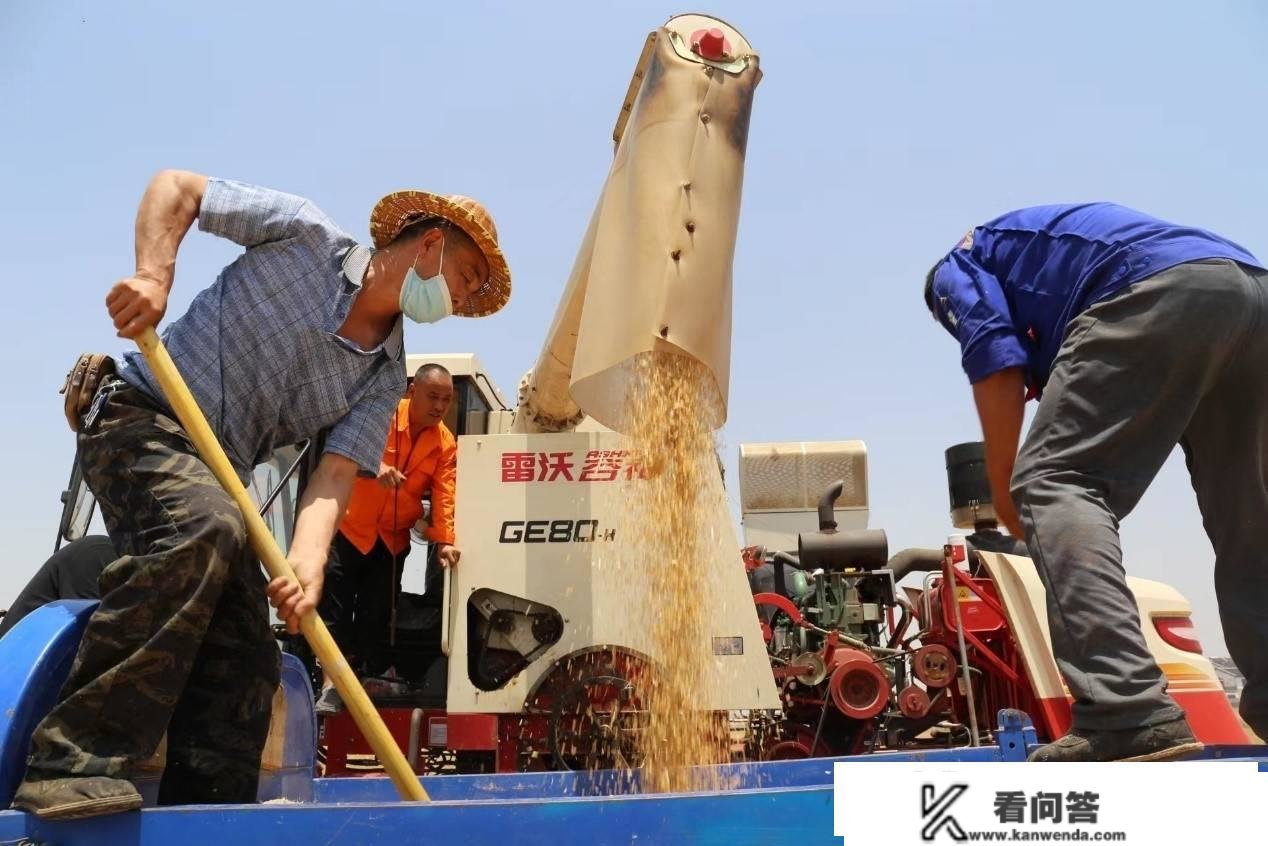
704 118
686 186
664 331
691 226
675 254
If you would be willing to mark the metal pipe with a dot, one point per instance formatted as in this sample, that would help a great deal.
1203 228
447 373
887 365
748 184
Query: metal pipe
913 560
281 483
926 602
787 558
904 620
827 517
854 643
415 733
778 560
948 568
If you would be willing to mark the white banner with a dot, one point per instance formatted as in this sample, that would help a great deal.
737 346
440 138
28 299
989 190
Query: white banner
1144 803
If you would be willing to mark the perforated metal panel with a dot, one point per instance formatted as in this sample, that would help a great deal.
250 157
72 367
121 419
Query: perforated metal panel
792 476
780 486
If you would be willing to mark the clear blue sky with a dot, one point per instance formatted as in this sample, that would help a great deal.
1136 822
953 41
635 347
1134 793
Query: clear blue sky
881 132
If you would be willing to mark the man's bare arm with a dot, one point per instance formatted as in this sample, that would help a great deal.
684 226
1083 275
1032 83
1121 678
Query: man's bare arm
321 509
168 208
1001 404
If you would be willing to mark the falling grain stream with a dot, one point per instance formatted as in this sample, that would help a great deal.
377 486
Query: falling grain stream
667 530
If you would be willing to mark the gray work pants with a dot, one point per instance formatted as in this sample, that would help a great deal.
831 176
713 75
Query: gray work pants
1179 357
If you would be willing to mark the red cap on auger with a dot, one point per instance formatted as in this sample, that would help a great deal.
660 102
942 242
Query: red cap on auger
710 44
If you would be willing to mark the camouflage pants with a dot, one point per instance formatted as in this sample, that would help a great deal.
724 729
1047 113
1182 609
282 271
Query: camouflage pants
181 641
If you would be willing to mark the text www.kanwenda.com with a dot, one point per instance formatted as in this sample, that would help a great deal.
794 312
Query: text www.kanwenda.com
1022 836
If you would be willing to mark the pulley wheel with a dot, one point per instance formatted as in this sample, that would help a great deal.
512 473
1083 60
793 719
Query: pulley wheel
913 702
816 670
860 689
934 665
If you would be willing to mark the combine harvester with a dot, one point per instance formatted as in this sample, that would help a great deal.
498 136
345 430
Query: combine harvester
519 691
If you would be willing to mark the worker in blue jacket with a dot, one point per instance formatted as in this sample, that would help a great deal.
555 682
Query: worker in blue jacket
1135 334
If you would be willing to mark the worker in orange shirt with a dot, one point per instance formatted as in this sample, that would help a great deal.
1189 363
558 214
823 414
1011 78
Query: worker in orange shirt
363 574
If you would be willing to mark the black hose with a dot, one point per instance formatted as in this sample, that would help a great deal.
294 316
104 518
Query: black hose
778 560
786 558
903 619
915 560
922 560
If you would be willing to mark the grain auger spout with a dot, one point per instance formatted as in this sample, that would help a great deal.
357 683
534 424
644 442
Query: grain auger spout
653 274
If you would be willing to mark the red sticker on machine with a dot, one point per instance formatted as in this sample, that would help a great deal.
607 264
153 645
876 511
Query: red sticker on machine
598 465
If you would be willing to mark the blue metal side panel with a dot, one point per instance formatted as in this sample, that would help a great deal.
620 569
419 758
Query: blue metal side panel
1232 753
35 659
813 772
1014 732
799 815
759 803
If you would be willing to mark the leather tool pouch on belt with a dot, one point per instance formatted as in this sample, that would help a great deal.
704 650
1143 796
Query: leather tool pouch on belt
81 385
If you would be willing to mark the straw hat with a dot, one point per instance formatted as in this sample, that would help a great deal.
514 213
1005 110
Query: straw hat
397 210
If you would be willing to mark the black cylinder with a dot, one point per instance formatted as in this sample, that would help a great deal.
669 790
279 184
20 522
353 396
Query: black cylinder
967 485
861 549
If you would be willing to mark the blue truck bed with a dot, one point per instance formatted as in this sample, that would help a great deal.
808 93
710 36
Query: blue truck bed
759 803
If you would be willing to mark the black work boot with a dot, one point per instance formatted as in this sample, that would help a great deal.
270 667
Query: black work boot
1159 742
69 798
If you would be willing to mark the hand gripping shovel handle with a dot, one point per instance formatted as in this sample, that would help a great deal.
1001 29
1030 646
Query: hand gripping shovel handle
314 630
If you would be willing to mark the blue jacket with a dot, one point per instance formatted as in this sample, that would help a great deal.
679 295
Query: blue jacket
1009 289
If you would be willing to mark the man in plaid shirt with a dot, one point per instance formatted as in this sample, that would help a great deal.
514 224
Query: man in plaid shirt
300 334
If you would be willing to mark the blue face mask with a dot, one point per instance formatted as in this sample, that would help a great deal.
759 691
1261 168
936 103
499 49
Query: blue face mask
426 300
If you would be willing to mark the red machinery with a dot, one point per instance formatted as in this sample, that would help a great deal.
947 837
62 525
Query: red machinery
865 667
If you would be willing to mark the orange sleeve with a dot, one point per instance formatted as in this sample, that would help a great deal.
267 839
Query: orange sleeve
443 485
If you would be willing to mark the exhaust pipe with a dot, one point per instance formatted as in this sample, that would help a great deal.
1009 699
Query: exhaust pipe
827 513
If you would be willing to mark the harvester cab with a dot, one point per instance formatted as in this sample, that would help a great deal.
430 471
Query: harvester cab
478 407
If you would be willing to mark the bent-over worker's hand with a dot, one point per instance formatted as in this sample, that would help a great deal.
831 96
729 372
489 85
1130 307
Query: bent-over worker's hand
389 476
293 600
136 304
447 554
